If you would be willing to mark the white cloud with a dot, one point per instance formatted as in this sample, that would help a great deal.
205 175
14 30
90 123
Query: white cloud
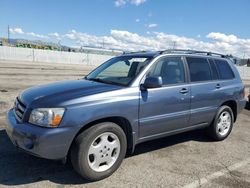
37 35
137 2
16 30
19 31
125 40
137 20
55 35
152 25
231 43
222 37
120 3
128 41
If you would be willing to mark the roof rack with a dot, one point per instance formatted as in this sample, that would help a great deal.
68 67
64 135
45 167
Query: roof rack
129 52
192 52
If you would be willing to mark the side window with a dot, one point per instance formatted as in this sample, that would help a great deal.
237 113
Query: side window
171 69
224 69
215 74
199 69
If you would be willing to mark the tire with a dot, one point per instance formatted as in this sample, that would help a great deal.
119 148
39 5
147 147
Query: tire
96 154
222 124
248 104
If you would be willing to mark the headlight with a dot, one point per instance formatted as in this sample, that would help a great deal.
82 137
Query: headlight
47 117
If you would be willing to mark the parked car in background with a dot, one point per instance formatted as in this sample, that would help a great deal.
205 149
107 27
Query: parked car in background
130 99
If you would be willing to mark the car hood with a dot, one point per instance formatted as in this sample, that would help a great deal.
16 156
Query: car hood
52 95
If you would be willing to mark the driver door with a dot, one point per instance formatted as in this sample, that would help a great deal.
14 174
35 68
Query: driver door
165 109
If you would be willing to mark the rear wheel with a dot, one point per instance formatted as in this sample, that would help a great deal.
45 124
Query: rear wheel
98 151
222 124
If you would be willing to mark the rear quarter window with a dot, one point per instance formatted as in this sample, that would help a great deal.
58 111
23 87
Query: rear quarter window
224 69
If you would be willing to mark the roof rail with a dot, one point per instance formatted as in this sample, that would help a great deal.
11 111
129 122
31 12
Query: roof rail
192 52
129 52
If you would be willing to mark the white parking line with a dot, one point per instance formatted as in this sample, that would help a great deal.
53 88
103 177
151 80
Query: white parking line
217 174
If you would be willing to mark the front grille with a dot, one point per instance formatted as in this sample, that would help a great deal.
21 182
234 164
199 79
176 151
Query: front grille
19 109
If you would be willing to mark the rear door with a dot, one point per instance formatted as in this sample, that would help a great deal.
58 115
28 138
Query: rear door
205 90
229 88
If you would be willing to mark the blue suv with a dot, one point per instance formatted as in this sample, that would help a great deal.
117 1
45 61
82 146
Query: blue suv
131 98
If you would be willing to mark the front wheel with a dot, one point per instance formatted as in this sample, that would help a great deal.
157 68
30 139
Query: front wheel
98 151
222 124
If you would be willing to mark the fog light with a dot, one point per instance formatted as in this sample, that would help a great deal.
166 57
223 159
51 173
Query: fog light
28 143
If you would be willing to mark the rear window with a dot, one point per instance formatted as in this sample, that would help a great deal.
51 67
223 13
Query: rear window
199 69
224 69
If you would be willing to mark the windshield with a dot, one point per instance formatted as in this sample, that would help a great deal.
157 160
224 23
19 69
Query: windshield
119 70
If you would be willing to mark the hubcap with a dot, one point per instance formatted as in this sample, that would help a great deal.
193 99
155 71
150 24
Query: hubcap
224 123
103 152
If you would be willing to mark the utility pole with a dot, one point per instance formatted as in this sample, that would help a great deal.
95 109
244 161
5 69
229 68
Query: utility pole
59 44
174 44
8 34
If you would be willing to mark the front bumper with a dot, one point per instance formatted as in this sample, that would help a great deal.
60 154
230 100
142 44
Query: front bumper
49 143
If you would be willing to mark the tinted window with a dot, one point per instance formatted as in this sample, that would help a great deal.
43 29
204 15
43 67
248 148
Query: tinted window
224 69
215 74
199 69
171 70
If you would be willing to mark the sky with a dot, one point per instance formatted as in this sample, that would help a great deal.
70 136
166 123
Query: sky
213 25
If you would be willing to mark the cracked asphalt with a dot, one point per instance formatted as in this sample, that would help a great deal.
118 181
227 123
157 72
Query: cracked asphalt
185 160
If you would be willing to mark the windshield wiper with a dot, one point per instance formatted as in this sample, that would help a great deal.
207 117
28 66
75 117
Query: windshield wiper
102 81
95 79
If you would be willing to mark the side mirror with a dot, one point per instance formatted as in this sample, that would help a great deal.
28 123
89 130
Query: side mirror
152 82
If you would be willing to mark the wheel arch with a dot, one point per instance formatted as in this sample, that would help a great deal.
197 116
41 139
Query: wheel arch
120 121
233 105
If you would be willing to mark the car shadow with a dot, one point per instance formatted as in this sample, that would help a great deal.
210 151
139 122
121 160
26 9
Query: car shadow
149 146
19 168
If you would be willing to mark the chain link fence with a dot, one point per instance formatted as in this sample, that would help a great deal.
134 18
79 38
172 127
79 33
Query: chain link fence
244 72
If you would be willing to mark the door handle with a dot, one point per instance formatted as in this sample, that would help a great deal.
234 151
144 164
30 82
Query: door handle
217 86
183 91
